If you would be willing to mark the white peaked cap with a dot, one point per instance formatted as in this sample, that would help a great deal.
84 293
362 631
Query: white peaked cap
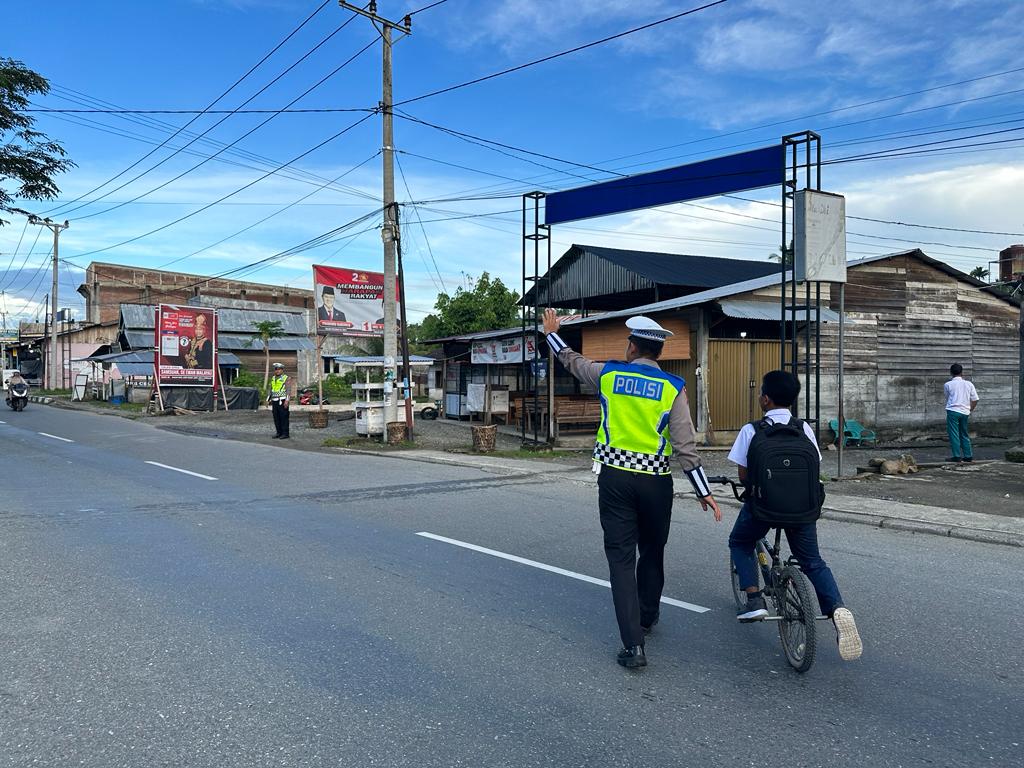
644 328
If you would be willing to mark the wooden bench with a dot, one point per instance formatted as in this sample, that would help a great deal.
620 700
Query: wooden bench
577 415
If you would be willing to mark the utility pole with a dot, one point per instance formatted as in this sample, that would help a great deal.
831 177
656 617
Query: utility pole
389 232
51 361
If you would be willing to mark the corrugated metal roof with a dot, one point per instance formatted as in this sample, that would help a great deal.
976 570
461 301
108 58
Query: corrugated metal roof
250 343
377 359
139 316
768 310
688 301
139 339
587 271
143 316
134 369
146 356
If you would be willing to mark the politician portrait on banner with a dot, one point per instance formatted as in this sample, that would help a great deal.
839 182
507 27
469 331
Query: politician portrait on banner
186 353
349 302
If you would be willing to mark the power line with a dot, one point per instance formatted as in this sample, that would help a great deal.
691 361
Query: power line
560 54
17 248
285 111
426 240
236 141
230 194
267 218
25 260
294 174
211 104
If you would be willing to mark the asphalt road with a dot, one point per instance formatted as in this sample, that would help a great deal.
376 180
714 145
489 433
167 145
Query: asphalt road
287 613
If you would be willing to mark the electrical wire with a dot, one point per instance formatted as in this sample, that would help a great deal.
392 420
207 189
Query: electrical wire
267 218
25 260
220 151
211 104
17 248
340 133
426 240
560 54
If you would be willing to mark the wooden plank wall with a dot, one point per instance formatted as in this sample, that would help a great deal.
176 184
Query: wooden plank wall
607 341
906 323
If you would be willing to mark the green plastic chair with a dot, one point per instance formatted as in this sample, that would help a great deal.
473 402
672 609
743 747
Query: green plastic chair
854 432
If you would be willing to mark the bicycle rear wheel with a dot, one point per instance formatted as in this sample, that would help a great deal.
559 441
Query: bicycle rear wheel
796 628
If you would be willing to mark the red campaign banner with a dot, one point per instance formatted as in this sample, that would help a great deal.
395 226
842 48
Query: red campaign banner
186 349
349 302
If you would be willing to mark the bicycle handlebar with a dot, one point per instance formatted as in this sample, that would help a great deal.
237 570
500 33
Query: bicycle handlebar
737 489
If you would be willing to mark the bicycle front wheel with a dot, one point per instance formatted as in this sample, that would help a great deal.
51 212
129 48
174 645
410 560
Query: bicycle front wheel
796 627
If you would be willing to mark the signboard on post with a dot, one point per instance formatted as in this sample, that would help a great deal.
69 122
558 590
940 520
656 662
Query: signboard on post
820 237
349 302
186 349
501 351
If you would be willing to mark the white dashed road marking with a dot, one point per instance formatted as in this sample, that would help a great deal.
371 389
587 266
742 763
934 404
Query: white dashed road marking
552 569
183 471
56 437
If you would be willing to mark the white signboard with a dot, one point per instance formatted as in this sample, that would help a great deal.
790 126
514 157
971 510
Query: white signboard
501 351
476 396
820 237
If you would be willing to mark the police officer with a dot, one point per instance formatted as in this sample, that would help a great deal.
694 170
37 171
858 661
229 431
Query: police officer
278 400
645 420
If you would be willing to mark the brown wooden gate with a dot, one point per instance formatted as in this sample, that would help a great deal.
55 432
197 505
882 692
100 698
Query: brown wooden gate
735 368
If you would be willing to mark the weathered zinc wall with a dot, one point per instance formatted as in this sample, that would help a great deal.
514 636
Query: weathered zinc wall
907 322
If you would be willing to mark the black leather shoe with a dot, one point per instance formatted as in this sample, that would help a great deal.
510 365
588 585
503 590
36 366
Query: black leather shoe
968 459
649 627
285 437
276 437
953 460
632 658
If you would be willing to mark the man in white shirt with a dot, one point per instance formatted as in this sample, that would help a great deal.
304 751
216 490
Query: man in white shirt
961 400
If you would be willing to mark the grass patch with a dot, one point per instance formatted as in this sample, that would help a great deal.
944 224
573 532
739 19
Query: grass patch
51 392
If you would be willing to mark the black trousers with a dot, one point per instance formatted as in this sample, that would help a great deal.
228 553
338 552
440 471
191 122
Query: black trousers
280 417
636 512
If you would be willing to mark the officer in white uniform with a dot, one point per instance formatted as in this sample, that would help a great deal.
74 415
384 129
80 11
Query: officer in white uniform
645 421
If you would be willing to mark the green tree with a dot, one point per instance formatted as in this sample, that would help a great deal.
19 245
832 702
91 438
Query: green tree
980 273
28 158
485 305
265 331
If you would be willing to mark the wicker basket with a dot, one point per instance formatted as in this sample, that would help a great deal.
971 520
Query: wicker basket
317 419
484 437
397 432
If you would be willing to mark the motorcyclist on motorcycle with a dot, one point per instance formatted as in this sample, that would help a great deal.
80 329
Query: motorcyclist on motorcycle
17 388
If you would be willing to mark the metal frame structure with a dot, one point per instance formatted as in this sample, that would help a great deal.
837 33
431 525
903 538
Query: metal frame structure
535 233
801 158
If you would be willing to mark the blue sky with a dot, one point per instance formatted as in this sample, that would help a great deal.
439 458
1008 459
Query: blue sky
733 76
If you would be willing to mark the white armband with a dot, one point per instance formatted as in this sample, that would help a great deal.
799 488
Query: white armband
699 480
556 343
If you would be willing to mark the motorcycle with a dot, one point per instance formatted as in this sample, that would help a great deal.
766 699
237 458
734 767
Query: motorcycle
17 396
431 412
309 396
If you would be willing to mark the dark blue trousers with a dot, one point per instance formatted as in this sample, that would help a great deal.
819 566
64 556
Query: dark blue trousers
803 543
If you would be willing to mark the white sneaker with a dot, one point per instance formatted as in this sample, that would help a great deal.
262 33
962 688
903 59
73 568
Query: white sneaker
850 646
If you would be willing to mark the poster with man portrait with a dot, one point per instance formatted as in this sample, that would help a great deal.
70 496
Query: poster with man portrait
186 346
349 302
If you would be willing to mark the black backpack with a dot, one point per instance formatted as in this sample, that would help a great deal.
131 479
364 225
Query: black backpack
783 474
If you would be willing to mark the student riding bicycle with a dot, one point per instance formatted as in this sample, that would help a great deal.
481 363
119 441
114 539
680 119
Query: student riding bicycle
780 471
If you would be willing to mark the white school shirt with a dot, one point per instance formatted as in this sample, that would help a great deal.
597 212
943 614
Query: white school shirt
959 395
738 454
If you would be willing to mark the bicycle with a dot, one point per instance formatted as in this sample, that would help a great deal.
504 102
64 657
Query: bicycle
788 589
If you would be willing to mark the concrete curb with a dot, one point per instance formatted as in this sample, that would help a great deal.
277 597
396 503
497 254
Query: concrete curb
44 399
963 528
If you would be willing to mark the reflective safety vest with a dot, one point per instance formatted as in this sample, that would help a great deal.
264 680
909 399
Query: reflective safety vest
278 386
635 404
